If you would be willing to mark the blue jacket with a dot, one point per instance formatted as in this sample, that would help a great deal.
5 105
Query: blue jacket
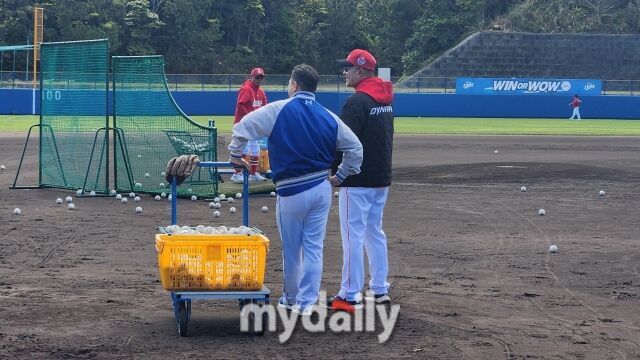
303 139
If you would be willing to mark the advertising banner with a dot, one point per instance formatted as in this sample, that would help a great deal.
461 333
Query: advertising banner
515 86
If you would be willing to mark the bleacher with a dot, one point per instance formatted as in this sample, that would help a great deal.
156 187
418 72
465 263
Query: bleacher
505 54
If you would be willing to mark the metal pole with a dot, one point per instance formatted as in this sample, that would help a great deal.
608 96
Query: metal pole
106 111
13 71
245 197
174 202
42 105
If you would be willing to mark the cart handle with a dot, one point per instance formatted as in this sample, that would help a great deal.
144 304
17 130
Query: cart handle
245 191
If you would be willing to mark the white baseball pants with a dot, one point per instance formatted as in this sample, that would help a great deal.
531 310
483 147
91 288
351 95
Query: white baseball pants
302 221
361 225
576 112
252 148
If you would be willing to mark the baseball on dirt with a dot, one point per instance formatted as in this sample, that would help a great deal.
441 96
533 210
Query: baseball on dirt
17 211
92 193
230 200
601 193
79 192
216 214
138 209
69 199
553 248
146 175
124 200
163 195
216 199
239 196
119 197
194 198
223 196
336 194
136 199
232 210
132 195
541 212
113 192
71 206
157 198
273 194
170 197
2 168
212 205
59 201
496 151
265 209
523 189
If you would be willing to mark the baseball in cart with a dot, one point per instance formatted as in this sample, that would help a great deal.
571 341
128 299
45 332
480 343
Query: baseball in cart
214 263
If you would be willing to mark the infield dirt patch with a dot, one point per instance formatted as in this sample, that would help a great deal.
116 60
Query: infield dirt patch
469 261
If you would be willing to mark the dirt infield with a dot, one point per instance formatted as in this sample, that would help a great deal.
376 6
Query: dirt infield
469 261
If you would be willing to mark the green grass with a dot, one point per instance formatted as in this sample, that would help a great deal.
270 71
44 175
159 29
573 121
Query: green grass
413 125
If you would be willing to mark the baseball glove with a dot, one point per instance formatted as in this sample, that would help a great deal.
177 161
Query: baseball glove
181 167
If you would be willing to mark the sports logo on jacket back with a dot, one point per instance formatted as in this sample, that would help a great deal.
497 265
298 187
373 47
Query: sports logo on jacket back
381 109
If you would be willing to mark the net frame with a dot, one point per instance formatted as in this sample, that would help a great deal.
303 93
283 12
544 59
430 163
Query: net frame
76 182
166 131
72 165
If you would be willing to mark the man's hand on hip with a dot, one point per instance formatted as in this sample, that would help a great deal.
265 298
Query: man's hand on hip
334 181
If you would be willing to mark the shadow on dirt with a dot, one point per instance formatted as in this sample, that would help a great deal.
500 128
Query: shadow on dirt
525 172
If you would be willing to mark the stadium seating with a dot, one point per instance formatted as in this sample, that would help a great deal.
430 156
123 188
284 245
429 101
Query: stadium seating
505 54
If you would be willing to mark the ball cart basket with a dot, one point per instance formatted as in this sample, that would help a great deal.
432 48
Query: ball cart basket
199 266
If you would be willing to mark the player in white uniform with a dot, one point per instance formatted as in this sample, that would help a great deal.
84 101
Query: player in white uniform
369 114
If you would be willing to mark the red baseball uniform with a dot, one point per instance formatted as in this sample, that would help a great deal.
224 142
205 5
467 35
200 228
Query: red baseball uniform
250 98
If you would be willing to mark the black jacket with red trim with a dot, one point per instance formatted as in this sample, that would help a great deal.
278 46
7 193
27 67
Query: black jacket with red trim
369 114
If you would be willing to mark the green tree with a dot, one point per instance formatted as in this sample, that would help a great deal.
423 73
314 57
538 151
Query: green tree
190 38
141 21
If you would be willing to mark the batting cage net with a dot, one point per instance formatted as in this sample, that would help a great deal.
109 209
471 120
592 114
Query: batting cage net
150 129
73 118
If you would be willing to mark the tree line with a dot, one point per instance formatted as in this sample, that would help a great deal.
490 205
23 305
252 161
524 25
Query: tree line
232 36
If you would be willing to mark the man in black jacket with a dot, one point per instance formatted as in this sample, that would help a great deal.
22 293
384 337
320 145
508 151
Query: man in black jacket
369 114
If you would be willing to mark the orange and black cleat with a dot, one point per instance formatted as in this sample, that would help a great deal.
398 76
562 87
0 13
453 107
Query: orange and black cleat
336 303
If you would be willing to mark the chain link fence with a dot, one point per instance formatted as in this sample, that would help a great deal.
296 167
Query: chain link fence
329 83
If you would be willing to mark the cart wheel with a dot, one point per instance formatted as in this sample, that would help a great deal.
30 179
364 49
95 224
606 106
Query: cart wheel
183 318
252 318
265 324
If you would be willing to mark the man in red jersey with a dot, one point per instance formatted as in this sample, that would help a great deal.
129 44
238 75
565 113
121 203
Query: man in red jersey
575 104
250 97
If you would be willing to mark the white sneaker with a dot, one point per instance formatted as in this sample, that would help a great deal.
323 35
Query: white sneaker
382 299
256 178
236 178
308 311
284 304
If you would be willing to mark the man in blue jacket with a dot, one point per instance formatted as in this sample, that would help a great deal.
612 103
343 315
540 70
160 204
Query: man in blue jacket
303 139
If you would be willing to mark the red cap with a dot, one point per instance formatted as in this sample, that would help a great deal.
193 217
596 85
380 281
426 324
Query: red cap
361 58
257 72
